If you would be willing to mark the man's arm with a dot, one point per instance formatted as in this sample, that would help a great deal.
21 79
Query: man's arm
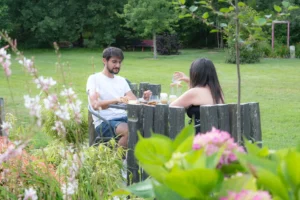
98 104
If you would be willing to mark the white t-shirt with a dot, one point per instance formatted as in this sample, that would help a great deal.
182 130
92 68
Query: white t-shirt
108 88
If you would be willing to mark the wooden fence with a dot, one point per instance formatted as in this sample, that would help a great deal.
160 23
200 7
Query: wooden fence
170 121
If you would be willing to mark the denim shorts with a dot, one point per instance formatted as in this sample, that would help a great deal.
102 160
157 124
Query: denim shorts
109 130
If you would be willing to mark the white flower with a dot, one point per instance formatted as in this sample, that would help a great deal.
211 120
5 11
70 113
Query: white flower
6 126
30 194
51 102
69 189
63 112
59 127
33 104
28 64
77 108
44 83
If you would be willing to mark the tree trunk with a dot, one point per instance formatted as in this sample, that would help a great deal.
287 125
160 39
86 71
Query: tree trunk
237 47
154 46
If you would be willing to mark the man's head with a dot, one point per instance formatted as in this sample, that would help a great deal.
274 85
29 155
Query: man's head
112 59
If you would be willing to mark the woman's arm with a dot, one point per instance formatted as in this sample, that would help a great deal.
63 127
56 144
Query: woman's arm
185 100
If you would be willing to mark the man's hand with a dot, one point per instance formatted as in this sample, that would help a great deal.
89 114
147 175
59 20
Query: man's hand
123 100
147 95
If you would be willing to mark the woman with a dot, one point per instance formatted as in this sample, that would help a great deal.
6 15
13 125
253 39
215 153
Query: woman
204 89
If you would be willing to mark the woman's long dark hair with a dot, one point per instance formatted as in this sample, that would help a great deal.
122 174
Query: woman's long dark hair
202 73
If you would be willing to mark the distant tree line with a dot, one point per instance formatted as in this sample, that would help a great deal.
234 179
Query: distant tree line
91 23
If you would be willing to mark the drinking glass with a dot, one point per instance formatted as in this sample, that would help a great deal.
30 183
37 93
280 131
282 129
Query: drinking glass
164 98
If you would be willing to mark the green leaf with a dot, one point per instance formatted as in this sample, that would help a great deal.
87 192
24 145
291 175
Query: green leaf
185 15
286 4
232 168
272 183
158 172
186 145
182 1
183 135
193 8
205 15
154 150
195 183
203 2
195 159
163 192
224 10
214 31
260 21
142 189
223 25
277 8
220 1
293 8
268 16
290 167
241 4
238 183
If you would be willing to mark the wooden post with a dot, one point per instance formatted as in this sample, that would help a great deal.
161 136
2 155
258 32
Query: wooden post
176 120
148 120
223 117
161 119
92 131
134 125
255 122
208 117
134 89
2 115
233 120
143 87
155 89
245 118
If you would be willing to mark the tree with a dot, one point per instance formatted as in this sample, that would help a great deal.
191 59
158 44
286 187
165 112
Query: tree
149 17
232 10
40 23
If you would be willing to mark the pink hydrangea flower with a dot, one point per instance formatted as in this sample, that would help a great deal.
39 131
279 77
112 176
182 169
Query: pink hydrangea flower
212 141
248 195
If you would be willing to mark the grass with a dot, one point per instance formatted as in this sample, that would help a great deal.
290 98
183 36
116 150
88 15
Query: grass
274 83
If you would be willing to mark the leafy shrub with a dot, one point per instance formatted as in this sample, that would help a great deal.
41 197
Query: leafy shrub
265 48
22 170
297 49
74 132
167 44
280 51
248 54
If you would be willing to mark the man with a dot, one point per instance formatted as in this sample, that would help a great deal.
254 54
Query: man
105 88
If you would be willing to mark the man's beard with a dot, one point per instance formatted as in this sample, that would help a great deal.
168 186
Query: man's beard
112 70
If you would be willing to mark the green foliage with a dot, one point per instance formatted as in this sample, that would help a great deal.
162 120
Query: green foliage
75 132
297 50
280 167
100 171
248 54
52 153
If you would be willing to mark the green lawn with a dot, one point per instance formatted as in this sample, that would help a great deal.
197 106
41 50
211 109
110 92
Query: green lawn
274 83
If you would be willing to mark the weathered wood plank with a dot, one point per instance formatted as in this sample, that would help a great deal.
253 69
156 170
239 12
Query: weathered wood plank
143 87
134 123
245 121
176 120
255 122
161 119
92 131
155 89
223 117
2 115
208 117
148 120
233 120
